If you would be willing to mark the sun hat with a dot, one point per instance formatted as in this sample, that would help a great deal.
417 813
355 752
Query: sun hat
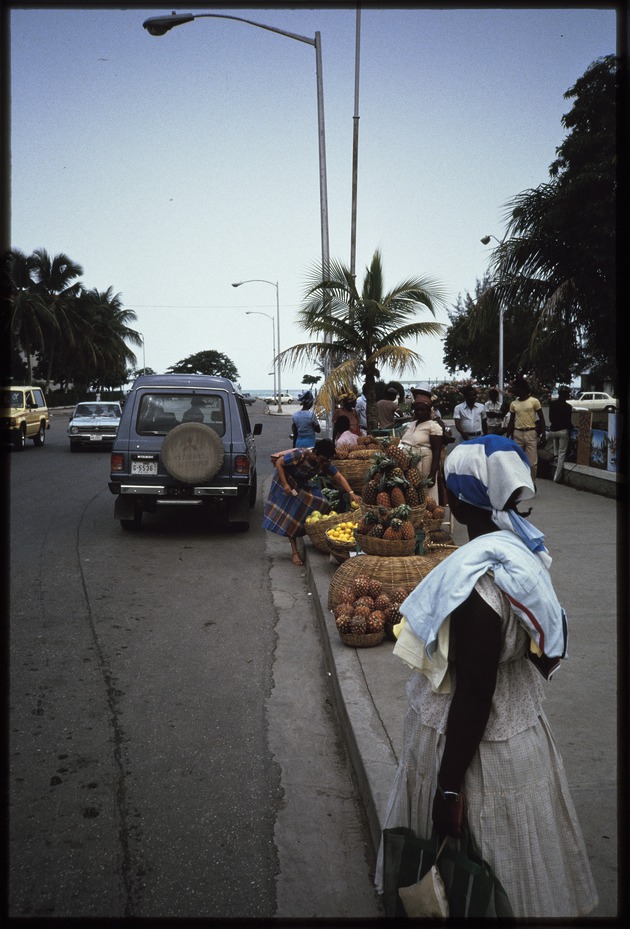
305 397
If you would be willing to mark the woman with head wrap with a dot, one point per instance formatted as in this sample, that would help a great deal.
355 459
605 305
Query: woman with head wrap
347 407
304 423
476 740
424 436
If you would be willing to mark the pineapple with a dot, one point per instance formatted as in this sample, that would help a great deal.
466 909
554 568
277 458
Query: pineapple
407 531
364 601
376 588
397 492
377 530
376 621
393 616
341 609
399 595
358 623
431 505
412 498
399 455
392 533
413 476
370 491
382 603
346 595
383 498
361 585
344 623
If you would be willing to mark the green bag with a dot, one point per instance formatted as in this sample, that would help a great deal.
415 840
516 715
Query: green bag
472 888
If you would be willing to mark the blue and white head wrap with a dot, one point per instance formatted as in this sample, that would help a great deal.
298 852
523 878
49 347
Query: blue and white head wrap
485 472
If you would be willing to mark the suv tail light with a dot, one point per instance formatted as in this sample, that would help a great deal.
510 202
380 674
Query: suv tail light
117 462
241 464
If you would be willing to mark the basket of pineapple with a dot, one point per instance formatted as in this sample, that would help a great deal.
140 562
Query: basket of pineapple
394 480
360 613
388 532
434 516
354 460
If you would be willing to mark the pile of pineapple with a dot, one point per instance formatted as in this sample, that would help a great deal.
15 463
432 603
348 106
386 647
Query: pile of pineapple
433 510
389 523
366 446
363 607
394 479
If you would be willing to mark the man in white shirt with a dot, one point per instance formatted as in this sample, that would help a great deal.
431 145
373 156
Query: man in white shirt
470 416
361 408
494 413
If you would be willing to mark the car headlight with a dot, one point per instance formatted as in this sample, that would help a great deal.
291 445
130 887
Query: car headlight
74 430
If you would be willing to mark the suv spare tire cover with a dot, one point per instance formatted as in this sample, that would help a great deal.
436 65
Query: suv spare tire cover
192 452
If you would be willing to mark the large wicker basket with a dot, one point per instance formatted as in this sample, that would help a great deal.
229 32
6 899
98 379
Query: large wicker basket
389 548
341 550
393 573
354 470
362 641
316 531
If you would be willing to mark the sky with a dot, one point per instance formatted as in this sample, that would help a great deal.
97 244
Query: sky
170 167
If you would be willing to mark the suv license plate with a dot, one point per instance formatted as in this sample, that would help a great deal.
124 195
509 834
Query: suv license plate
144 467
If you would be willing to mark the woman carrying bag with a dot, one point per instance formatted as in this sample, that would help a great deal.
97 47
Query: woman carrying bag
304 423
477 747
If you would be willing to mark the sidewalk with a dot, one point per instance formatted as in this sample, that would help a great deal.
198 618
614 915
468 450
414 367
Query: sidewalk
369 684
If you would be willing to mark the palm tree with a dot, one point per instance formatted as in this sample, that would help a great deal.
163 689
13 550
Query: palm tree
360 332
110 332
55 284
30 316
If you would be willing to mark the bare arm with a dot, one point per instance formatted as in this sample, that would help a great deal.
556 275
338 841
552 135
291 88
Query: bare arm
477 631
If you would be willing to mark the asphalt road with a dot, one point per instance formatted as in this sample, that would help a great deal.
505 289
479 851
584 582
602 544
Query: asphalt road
173 750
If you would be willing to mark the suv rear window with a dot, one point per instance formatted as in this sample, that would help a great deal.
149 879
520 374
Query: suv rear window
160 412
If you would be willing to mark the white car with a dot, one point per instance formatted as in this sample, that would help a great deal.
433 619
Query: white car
284 398
94 423
596 401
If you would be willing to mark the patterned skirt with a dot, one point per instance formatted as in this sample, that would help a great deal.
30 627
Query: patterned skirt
285 514
519 811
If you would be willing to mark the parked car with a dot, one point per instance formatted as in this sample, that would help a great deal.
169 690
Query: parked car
94 423
184 440
284 398
595 400
23 415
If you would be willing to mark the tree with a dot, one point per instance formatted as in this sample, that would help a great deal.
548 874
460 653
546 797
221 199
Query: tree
208 362
56 286
30 315
362 331
559 257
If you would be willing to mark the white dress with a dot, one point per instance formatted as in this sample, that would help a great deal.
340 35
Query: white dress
517 800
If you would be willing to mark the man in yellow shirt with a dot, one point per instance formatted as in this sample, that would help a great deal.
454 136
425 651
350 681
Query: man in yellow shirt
527 422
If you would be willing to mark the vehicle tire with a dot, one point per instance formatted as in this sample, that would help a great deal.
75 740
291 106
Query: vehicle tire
253 491
192 453
40 438
610 409
19 439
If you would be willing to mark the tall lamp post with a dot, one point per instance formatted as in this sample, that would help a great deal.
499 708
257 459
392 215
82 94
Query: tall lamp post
273 330
261 280
486 241
159 25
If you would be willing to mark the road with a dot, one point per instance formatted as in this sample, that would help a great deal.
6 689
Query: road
173 750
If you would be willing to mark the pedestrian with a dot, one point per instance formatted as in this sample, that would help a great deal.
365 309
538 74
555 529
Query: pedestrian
342 434
470 417
194 413
424 436
361 410
386 409
527 422
304 422
494 412
347 407
476 740
294 495
560 412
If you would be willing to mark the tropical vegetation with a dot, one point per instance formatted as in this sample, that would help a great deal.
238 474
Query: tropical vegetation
209 362
554 271
359 332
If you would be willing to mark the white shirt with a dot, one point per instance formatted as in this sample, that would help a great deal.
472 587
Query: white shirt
361 408
470 420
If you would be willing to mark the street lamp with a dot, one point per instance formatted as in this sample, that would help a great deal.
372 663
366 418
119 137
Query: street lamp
159 25
486 241
273 328
261 280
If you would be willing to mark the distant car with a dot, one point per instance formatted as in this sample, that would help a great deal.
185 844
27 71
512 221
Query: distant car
249 400
23 415
284 398
595 401
94 423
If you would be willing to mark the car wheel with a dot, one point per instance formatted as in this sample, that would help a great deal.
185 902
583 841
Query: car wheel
610 409
192 453
40 438
19 440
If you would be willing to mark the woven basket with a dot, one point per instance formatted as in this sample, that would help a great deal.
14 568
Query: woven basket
393 573
317 531
432 525
393 548
341 550
362 641
354 471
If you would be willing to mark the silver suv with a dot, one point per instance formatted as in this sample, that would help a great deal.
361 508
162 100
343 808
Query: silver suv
184 440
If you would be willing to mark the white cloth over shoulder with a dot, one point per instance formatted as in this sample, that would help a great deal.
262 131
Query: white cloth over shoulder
519 573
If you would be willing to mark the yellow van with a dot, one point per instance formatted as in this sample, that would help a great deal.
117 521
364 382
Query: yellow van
23 415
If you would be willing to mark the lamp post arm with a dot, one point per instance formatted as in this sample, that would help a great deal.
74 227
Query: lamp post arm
251 22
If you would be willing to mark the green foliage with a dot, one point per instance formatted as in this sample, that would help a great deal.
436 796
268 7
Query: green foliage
209 362
357 332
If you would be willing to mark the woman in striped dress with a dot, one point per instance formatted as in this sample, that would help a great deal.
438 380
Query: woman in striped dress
294 495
